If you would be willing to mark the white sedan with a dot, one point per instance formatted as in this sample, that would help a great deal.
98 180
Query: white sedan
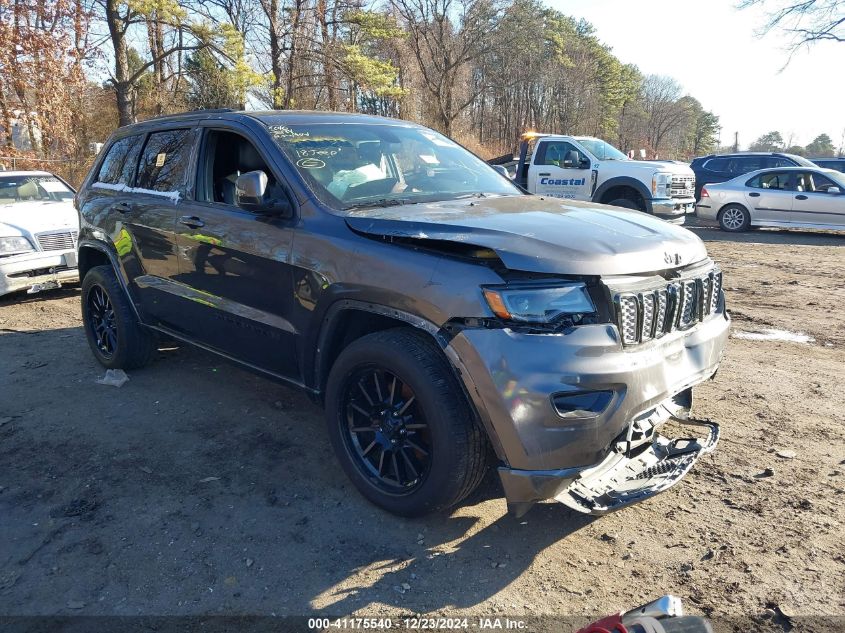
779 197
38 232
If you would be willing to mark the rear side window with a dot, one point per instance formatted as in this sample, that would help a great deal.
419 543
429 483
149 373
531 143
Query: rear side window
118 167
744 164
717 165
164 161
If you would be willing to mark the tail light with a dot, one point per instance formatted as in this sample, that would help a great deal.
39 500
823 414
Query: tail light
704 193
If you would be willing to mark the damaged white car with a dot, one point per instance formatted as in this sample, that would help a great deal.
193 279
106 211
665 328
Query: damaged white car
38 232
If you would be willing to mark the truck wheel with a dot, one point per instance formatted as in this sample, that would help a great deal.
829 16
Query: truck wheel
114 334
625 203
734 218
401 426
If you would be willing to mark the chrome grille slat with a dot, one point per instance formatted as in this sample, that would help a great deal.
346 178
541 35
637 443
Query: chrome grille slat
62 241
651 314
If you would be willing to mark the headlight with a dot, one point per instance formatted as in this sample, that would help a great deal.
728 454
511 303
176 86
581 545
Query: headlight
14 245
661 184
539 304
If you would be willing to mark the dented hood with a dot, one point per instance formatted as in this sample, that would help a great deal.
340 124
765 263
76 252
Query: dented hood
544 235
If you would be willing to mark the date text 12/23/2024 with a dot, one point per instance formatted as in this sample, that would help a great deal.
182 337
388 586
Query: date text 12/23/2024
417 623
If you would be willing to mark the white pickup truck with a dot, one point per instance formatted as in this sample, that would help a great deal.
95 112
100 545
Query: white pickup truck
587 168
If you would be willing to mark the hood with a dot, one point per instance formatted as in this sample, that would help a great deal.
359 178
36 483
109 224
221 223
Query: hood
29 218
655 165
543 235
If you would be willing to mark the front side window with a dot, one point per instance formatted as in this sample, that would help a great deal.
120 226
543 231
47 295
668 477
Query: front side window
602 150
14 189
352 164
164 162
228 156
819 183
560 154
118 167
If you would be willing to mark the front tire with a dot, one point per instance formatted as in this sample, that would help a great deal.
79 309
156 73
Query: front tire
734 218
401 426
116 338
626 203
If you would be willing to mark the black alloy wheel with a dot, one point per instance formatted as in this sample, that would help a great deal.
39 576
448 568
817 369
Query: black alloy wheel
102 321
386 431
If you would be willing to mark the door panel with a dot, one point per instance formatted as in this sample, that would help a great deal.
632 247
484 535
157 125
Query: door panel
556 172
769 197
149 217
235 281
814 205
236 286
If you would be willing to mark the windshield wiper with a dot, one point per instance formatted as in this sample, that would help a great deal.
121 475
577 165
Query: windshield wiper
382 202
476 194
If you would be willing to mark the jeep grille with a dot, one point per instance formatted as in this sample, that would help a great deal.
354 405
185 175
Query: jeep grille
679 305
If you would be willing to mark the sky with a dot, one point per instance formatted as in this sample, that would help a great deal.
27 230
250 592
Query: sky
717 54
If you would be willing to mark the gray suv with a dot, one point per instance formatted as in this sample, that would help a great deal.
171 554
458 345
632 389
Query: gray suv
445 319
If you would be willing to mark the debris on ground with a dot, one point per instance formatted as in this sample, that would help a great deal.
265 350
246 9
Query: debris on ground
786 454
113 378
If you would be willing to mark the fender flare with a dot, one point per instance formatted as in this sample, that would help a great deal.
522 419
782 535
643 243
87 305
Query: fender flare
625 181
332 319
108 250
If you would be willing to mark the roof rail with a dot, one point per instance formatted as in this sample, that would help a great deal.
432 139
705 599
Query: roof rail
186 112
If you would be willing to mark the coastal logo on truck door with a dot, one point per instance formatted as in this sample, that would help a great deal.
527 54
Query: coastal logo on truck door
563 181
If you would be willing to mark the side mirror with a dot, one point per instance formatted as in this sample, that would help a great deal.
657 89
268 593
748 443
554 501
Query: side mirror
250 189
585 163
834 190
502 171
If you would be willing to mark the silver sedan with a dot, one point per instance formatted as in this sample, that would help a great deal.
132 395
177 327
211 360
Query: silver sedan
779 197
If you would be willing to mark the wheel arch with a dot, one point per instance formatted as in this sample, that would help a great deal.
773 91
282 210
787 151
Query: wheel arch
93 253
347 320
605 192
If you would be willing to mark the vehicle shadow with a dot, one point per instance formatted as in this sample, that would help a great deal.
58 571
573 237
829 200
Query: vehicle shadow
234 476
472 564
21 297
799 237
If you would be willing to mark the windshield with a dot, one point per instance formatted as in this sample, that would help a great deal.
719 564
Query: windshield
14 189
803 161
350 164
602 150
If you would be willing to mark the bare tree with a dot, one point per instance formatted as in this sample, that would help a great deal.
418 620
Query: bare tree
445 49
808 21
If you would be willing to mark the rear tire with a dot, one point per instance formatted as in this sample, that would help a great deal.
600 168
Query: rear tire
403 372
734 218
116 338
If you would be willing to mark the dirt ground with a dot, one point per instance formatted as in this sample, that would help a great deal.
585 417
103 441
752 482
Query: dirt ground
199 488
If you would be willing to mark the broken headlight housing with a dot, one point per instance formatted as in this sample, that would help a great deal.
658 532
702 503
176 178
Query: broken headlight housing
14 246
540 304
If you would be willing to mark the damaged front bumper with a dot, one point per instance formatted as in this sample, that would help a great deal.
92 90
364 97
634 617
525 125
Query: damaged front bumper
575 417
37 271
641 464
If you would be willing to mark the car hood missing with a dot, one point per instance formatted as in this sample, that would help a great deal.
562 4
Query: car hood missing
542 235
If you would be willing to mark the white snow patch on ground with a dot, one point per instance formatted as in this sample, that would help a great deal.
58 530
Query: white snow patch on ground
774 335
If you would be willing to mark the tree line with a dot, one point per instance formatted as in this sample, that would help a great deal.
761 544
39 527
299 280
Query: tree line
820 147
482 71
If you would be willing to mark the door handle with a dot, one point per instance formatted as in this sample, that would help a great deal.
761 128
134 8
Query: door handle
123 207
191 221
754 194
546 174
800 196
